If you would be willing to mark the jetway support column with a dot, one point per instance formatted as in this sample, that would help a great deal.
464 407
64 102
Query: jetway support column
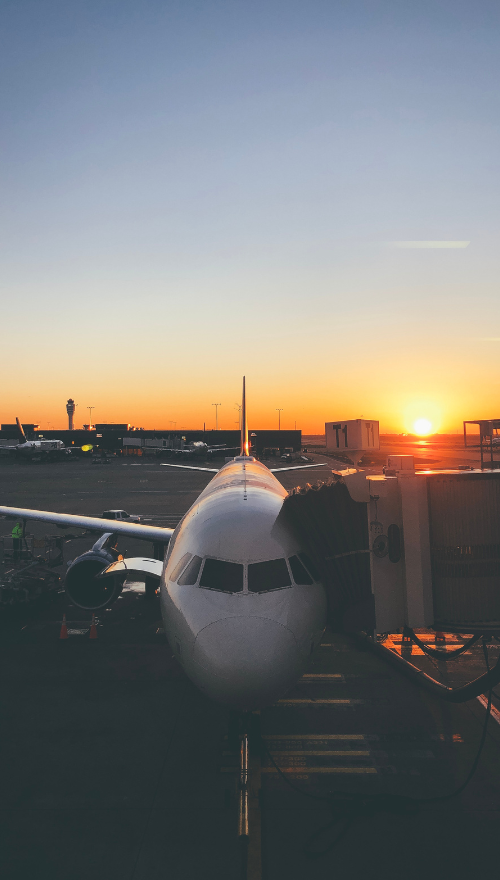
418 578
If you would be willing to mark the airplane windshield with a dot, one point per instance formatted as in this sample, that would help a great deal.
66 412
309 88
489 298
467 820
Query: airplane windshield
310 565
220 575
300 575
180 565
265 576
191 573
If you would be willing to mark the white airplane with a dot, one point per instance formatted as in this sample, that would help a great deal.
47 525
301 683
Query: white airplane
199 449
242 605
31 448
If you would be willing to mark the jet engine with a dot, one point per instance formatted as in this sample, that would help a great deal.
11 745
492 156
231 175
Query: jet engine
82 585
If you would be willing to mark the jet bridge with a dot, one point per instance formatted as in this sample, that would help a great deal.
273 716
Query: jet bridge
415 549
487 439
334 528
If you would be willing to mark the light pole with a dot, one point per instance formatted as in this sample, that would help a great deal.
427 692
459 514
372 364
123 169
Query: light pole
238 407
216 415
90 408
279 410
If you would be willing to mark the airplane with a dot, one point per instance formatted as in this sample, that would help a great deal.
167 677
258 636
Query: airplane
199 449
243 606
32 448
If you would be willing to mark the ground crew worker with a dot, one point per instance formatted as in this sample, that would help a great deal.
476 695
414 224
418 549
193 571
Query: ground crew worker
17 540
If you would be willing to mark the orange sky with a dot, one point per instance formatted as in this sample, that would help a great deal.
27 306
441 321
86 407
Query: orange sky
143 393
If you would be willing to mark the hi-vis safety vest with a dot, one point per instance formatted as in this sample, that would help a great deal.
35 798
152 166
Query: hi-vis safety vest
17 531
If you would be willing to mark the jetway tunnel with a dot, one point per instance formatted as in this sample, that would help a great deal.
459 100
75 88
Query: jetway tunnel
414 549
335 533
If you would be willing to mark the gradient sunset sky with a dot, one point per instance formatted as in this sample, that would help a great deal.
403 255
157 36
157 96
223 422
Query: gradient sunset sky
192 191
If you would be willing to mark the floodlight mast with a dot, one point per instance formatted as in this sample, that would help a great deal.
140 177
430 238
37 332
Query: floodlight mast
216 412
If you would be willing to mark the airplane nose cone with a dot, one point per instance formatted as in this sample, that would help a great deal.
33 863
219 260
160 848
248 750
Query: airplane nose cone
246 662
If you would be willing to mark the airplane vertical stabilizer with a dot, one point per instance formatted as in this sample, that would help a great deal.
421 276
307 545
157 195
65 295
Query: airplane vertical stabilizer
22 435
244 428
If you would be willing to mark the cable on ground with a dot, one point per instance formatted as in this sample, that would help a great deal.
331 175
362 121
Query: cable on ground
435 652
461 694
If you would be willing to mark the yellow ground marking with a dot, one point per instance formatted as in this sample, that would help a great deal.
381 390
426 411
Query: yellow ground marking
307 770
340 753
313 736
307 701
321 676
495 714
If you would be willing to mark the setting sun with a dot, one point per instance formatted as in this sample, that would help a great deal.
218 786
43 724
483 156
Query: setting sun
422 426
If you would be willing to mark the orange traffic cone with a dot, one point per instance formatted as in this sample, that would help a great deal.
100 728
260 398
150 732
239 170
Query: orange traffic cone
440 638
64 629
93 630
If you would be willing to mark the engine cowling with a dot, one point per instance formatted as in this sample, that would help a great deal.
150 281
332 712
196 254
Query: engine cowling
82 585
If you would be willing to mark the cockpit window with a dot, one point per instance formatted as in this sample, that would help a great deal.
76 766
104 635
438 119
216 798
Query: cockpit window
265 576
220 575
190 576
300 575
310 565
180 565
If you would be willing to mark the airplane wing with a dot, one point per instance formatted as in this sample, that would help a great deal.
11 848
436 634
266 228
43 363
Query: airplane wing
190 451
138 566
189 467
128 530
185 451
299 467
192 467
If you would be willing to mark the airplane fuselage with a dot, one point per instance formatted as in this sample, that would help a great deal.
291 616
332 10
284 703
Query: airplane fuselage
40 447
237 616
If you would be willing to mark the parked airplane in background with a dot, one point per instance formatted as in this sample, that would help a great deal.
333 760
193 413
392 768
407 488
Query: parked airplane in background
243 606
199 449
40 448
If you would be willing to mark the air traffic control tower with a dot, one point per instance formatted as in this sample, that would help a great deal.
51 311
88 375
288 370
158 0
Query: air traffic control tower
70 409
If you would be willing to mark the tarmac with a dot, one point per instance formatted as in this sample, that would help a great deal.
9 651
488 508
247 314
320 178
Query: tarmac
113 765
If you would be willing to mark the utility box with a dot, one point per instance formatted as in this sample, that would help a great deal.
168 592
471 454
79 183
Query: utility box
353 437
400 464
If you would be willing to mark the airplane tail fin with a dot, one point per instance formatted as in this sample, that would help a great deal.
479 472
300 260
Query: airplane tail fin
244 428
20 430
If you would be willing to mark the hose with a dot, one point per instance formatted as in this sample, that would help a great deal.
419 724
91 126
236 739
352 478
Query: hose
436 654
485 682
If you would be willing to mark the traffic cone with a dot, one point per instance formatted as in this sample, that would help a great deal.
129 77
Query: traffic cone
64 629
93 630
440 638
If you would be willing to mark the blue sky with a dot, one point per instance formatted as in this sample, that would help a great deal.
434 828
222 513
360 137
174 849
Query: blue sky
195 190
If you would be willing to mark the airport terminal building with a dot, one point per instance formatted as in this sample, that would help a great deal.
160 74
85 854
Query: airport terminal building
120 437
